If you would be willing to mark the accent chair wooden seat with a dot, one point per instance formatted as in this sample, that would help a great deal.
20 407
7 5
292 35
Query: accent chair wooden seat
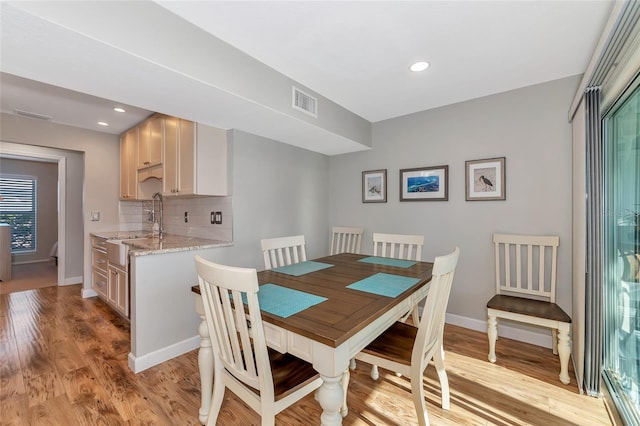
526 270
346 239
266 380
283 251
408 350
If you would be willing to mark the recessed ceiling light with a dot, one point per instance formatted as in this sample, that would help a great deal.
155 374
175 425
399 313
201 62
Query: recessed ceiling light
102 123
419 66
118 109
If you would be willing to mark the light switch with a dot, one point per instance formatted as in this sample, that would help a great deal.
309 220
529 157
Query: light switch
95 216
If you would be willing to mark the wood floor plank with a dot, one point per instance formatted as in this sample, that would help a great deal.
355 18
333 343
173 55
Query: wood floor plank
67 365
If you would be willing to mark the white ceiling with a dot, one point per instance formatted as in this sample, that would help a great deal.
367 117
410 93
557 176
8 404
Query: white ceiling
357 53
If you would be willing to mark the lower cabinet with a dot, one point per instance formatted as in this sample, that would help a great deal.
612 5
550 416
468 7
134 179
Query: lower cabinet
118 293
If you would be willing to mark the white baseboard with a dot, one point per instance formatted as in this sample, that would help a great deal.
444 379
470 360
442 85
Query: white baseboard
526 336
72 281
141 363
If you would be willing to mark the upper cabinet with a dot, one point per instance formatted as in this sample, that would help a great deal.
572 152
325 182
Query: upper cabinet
182 157
128 163
150 142
197 159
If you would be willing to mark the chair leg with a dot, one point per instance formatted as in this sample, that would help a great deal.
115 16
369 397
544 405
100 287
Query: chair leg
417 392
352 364
346 376
374 372
216 400
564 352
438 359
492 333
554 338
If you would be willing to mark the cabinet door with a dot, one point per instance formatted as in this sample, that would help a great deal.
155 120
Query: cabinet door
128 165
113 285
143 144
99 283
122 300
155 140
170 181
186 160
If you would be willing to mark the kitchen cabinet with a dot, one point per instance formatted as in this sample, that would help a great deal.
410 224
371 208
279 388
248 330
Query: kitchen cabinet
197 159
119 289
128 164
99 280
150 142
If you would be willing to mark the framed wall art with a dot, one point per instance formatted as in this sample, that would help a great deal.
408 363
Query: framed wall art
374 186
485 179
424 184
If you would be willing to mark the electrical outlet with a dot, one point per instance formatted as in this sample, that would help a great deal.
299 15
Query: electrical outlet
95 216
213 217
218 218
186 217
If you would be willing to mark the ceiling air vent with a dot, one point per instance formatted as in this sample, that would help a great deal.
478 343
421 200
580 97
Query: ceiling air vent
305 102
33 115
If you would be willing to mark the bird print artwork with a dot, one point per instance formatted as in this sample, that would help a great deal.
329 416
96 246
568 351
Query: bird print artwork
484 179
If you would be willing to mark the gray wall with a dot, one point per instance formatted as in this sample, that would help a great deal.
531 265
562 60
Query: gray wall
278 190
528 126
47 204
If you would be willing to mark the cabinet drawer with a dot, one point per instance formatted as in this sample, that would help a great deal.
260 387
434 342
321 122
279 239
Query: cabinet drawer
99 283
99 260
99 242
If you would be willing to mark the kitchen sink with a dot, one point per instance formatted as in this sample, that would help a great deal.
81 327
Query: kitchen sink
118 251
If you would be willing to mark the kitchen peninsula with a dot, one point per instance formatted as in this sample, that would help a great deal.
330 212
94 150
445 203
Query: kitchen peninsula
161 273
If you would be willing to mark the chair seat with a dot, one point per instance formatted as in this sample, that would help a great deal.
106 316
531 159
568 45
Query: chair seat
395 344
289 373
536 308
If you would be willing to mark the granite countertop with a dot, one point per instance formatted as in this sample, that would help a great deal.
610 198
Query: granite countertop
143 243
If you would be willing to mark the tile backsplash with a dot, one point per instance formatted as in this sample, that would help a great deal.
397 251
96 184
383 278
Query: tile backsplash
136 215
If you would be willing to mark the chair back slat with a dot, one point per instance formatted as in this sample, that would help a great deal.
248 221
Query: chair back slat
431 325
346 240
237 333
283 251
407 247
526 265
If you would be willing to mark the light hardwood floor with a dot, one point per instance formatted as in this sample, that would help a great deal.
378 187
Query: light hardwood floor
29 276
63 361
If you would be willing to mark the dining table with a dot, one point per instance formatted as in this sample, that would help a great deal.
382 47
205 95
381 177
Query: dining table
325 311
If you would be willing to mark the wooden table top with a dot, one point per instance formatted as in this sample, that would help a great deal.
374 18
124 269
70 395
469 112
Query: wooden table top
346 311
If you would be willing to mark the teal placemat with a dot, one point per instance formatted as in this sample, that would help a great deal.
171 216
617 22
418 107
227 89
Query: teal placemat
302 268
384 284
283 301
388 262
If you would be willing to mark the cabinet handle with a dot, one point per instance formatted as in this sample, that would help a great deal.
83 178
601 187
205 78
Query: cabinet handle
101 261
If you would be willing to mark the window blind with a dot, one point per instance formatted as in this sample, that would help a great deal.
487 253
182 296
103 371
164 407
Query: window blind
18 208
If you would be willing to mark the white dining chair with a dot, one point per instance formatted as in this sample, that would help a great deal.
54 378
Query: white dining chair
283 251
346 239
397 246
266 380
408 350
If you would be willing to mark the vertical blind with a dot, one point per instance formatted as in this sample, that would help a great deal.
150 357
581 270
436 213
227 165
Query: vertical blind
18 208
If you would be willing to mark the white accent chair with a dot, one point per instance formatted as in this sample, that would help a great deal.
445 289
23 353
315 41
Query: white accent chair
346 239
266 380
408 350
283 251
526 269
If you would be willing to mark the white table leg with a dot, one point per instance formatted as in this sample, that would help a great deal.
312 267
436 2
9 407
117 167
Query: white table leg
205 365
331 397
564 351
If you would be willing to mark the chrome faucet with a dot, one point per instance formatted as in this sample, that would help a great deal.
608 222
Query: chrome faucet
153 213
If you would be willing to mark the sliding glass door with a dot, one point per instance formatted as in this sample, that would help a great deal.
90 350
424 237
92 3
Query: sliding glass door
622 256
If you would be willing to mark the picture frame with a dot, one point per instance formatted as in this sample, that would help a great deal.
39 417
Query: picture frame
485 179
374 186
425 184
